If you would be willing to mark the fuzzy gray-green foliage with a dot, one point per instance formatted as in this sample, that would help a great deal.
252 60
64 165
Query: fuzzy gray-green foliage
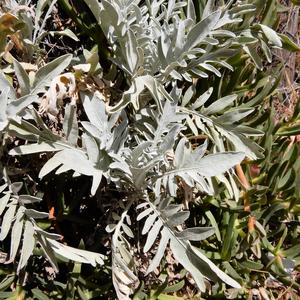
138 143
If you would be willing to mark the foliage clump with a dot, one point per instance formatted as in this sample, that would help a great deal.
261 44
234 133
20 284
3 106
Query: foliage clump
146 163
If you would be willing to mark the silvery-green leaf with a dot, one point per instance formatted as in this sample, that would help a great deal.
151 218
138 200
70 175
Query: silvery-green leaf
168 116
215 164
251 51
25 130
201 30
180 252
224 64
7 220
210 68
180 150
28 199
246 40
243 8
207 166
95 109
75 160
219 105
66 32
91 147
168 141
3 202
23 78
92 130
187 77
65 252
3 104
3 187
170 8
49 166
152 235
16 187
16 233
108 15
144 213
191 13
132 55
148 223
131 95
97 177
70 124
77 255
199 73
142 205
188 95
46 234
249 131
202 99
224 277
28 245
226 20
32 213
5 84
195 233
223 33
16 106
127 230
47 73
122 166
36 148
211 41
170 210
138 151
47 250
176 75
191 125
208 9
180 39
178 218
271 35
266 51
160 251
234 116
139 174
